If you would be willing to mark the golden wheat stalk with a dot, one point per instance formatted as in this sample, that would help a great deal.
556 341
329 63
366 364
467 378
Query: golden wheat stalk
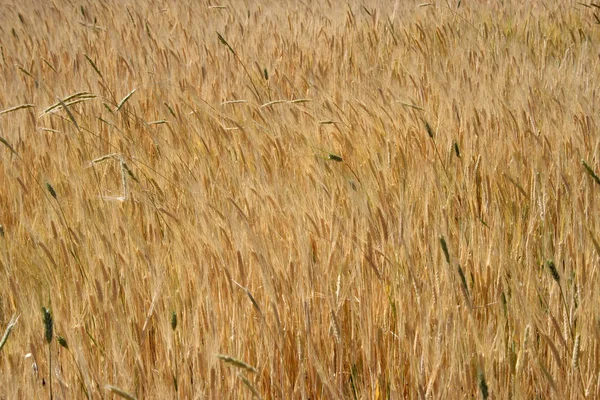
119 392
68 101
236 362
16 108
11 325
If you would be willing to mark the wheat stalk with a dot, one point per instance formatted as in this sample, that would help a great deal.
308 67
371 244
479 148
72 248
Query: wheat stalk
48 334
16 108
236 362
12 323
125 99
120 392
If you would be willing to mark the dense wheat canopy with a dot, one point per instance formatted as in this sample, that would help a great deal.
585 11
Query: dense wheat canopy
285 199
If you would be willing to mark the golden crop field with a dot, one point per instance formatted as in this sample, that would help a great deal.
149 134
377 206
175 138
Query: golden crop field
299 199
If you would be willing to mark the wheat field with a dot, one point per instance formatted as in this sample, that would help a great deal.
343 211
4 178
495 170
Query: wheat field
299 200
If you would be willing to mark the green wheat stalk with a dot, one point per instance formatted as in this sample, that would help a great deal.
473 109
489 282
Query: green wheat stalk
556 277
93 64
445 249
174 327
49 332
590 171
236 362
431 135
483 387
226 44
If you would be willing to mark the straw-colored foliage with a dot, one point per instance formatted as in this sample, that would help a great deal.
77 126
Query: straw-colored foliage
289 199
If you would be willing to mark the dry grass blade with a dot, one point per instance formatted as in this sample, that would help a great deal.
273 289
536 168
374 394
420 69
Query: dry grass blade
239 60
103 158
432 379
595 242
69 101
23 70
411 106
271 103
552 347
50 65
93 64
300 101
236 362
120 392
170 109
234 102
69 113
222 40
92 26
254 303
250 386
5 143
19 107
125 99
49 130
463 282
516 185
546 374
9 328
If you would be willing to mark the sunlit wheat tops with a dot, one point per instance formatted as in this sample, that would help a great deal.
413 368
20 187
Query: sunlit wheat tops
297 200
